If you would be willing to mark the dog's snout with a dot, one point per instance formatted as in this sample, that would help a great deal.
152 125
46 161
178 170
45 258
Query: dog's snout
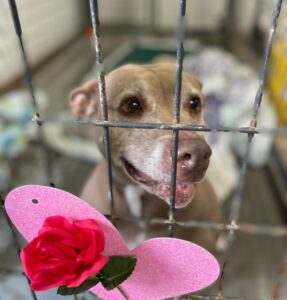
185 158
192 157
207 153
193 152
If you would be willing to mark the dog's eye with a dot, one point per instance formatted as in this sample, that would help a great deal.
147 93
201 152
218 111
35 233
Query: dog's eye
194 103
131 105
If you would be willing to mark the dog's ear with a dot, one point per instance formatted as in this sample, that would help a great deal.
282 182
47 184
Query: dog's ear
198 84
194 81
84 100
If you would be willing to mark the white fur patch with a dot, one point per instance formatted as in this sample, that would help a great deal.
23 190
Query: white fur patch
133 195
139 239
152 162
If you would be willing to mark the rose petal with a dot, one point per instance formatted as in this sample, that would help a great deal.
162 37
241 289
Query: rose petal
58 222
89 224
54 236
57 250
30 258
96 229
51 266
92 270
53 276
73 242
64 253
100 242
55 233
91 253
44 284
83 237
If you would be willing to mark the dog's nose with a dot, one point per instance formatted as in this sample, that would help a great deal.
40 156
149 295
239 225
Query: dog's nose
193 152
192 157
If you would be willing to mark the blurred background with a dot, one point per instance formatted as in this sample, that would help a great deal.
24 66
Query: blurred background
224 46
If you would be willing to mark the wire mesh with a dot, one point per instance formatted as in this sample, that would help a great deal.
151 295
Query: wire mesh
176 113
102 92
234 225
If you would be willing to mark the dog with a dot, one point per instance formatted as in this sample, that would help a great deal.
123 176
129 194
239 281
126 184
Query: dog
142 158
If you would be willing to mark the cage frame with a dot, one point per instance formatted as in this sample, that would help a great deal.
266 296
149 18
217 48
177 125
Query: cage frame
233 226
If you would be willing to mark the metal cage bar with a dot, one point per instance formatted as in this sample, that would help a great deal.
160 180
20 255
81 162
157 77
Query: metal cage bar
40 135
29 83
102 92
236 201
18 248
176 113
267 53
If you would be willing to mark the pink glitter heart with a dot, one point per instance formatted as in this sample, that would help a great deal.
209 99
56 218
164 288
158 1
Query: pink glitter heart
165 267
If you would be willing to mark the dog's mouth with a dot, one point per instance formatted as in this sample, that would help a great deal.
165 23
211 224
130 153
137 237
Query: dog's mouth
184 190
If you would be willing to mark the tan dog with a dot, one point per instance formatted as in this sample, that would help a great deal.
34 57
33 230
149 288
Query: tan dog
141 158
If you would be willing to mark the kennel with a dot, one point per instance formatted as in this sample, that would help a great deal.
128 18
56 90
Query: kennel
233 226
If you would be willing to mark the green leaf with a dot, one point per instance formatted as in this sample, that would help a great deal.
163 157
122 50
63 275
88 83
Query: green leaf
86 285
117 270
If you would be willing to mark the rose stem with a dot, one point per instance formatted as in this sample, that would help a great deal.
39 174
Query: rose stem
122 292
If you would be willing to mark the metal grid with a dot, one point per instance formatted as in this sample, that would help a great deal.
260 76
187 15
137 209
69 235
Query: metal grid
233 226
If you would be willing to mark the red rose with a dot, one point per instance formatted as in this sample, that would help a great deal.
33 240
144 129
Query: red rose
64 253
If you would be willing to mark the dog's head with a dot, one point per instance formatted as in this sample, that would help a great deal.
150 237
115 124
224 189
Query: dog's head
144 93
